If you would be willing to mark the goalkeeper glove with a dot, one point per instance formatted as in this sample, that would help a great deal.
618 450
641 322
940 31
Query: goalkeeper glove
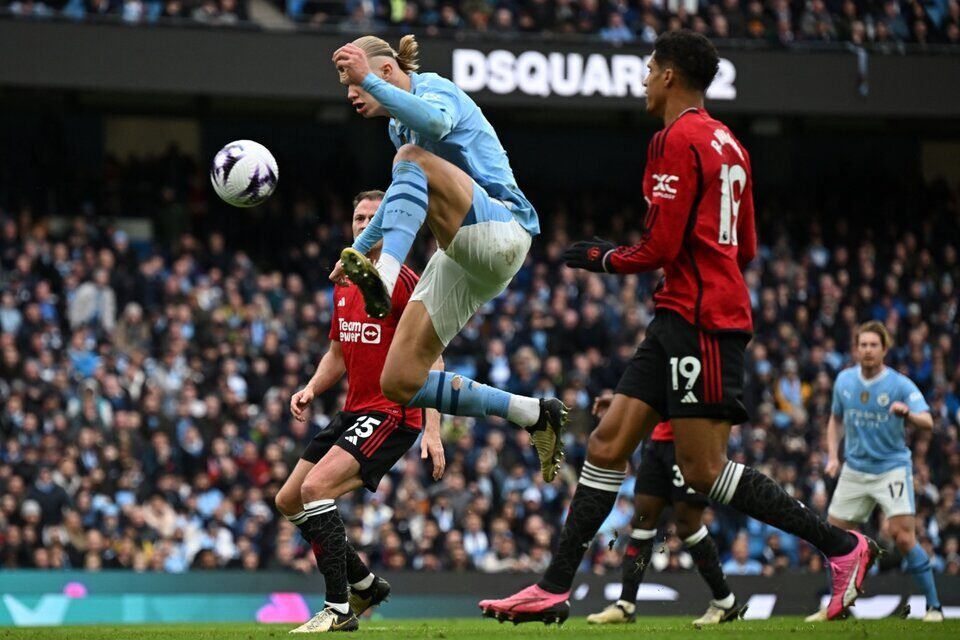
592 255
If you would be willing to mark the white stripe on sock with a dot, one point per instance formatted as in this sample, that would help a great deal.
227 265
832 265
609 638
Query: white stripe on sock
726 483
297 518
643 534
317 507
604 472
601 479
696 537
600 486
737 472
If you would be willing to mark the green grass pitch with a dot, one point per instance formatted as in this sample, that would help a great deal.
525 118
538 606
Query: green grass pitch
658 628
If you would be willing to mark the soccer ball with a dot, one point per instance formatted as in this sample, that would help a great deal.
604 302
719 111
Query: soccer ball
244 173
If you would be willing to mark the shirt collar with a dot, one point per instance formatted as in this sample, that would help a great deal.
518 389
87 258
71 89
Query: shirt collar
877 378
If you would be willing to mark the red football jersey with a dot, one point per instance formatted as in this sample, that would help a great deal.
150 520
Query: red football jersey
365 342
663 432
699 226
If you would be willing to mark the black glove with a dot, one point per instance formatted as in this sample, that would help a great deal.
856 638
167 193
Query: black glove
591 255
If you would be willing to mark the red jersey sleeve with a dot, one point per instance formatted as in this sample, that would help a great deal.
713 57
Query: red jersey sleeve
671 184
406 282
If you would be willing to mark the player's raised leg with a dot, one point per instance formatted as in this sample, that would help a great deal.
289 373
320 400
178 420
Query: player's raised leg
425 187
621 429
724 606
702 455
636 559
408 380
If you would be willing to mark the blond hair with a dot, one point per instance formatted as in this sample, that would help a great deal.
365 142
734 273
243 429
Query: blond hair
406 57
877 327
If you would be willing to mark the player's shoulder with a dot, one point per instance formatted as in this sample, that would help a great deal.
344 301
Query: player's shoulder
432 82
693 128
901 380
705 132
848 375
406 281
408 274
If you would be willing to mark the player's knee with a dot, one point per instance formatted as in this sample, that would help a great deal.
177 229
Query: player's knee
905 540
700 474
397 388
288 501
700 471
316 486
687 524
603 453
410 153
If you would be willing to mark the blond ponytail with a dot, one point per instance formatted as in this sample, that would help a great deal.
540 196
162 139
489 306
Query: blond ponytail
408 54
406 58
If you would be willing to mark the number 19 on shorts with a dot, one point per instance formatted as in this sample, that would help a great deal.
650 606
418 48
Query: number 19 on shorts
688 368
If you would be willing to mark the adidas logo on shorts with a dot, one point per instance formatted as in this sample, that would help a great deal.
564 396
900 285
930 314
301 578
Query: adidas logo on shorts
689 398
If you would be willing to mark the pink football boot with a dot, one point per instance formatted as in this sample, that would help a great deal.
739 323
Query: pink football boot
532 604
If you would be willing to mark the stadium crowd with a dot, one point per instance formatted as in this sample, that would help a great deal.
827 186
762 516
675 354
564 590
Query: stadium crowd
144 392
886 24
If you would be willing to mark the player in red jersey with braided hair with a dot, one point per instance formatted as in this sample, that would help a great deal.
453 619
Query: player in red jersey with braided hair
689 369
358 447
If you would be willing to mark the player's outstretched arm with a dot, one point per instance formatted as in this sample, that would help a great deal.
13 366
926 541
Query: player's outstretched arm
329 371
431 446
432 115
667 214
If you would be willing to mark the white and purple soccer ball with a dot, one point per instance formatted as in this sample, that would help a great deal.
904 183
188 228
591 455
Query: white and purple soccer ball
244 173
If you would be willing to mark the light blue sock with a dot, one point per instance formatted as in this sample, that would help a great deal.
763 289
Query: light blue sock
918 563
470 399
400 215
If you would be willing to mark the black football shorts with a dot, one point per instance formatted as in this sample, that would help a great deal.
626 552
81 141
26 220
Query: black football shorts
377 440
684 372
659 475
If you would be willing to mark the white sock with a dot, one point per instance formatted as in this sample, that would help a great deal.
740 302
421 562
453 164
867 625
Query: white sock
643 534
363 584
340 607
523 411
389 269
726 603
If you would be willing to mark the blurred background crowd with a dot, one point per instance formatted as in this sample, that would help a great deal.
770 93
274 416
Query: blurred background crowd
144 385
886 24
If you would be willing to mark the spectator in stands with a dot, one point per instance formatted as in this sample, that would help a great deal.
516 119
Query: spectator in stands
740 562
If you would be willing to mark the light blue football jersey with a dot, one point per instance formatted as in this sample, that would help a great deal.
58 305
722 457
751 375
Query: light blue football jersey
875 441
471 144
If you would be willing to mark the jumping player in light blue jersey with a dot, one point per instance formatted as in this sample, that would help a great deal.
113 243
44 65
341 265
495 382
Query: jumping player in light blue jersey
451 172
872 404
